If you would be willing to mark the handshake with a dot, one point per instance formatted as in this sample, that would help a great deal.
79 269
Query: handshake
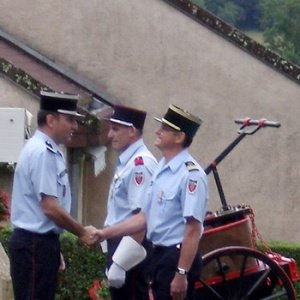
128 254
90 235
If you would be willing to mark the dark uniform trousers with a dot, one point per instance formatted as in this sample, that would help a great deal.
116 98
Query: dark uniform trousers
164 265
34 262
136 285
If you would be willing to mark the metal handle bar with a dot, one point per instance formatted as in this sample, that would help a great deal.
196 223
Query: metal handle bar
242 133
261 123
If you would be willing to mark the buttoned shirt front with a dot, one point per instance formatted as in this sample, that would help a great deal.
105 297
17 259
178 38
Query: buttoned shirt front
178 190
41 169
133 173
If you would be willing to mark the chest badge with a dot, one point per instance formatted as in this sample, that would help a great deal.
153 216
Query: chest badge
192 186
160 196
139 178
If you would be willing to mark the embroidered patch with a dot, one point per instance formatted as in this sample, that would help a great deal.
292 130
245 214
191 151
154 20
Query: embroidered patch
192 186
139 178
138 161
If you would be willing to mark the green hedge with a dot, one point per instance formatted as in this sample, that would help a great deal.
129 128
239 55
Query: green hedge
86 265
83 266
289 250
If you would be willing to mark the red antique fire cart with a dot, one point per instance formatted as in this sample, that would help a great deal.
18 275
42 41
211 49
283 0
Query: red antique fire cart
233 267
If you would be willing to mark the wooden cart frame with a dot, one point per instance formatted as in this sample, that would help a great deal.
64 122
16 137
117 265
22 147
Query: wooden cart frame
233 268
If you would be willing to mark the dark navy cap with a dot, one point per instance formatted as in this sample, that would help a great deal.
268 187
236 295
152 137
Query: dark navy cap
181 120
128 116
60 102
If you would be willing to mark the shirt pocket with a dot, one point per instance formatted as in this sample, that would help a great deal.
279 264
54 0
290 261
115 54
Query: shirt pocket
167 197
118 188
168 201
119 194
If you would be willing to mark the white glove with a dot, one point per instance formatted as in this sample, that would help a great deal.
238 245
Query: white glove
116 276
129 253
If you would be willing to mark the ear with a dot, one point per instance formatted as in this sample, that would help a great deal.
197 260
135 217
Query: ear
50 119
180 137
132 131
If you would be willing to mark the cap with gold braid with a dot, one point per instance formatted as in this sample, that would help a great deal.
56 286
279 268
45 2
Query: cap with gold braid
181 120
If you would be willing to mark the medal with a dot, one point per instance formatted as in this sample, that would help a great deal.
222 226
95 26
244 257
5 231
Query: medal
160 196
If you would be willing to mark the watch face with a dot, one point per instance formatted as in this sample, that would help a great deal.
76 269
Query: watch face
181 271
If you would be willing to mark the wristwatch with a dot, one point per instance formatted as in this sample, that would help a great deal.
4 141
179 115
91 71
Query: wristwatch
181 271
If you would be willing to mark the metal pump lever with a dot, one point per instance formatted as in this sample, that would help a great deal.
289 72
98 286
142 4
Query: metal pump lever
242 133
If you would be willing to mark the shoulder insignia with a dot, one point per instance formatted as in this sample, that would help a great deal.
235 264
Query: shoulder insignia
138 161
63 173
191 166
49 146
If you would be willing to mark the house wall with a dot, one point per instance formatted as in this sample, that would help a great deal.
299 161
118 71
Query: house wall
95 191
146 54
11 96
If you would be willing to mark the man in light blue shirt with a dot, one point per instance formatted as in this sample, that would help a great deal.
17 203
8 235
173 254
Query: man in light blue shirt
41 201
174 211
135 166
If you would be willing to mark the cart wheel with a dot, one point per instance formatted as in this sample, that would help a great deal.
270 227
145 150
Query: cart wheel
240 273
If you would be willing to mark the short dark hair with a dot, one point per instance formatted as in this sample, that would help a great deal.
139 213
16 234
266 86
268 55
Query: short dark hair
187 141
42 116
140 131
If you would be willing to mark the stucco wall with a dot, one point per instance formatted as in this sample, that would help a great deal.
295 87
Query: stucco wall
11 96
147 54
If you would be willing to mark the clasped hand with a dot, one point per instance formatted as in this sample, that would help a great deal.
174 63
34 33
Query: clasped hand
99 235
89 237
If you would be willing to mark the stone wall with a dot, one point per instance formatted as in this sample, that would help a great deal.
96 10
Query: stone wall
6 291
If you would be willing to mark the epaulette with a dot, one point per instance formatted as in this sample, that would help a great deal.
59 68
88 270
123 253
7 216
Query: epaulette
49 146
138 161
191 166
63 173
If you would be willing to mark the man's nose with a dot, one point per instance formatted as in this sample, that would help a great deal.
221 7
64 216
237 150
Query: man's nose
110 134
158 130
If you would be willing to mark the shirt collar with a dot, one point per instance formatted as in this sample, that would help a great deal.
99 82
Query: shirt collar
44 137
129 152
176 161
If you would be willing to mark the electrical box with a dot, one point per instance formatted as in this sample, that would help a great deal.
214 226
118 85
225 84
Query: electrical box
14 131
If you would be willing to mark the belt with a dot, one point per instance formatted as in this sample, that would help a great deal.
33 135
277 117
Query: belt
48 234
160 247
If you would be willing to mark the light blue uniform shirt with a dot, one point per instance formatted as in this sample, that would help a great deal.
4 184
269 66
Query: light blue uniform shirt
41 169
178 190
132 178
